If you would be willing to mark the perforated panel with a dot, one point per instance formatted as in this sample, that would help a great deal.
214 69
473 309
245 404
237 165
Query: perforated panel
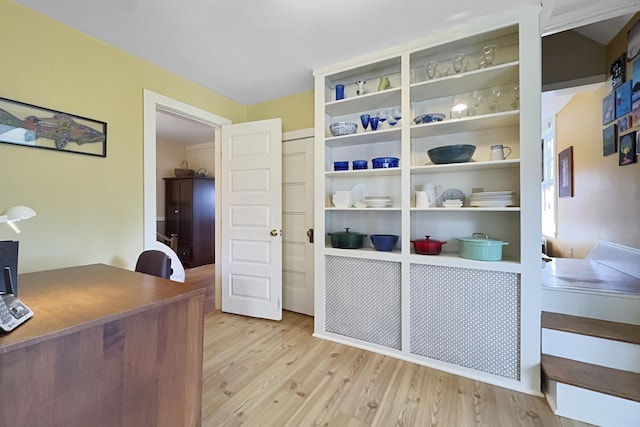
363 300
467 317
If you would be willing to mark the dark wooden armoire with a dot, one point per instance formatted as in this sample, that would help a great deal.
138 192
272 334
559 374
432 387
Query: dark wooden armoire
190 213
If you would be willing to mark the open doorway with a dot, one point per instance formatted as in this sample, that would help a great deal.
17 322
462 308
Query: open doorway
164 118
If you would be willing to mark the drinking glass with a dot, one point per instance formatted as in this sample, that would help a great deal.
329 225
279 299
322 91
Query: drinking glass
383 115
373 122
476 99
489 52
494 97
458 62
396 113
364 119
515 93
431 68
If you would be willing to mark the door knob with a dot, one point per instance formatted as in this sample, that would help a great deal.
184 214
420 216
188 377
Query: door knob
274 232
310 235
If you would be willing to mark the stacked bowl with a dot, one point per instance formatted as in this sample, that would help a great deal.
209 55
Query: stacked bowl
342 199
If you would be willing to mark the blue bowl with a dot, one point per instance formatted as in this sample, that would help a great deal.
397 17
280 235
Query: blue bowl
385 162
459 153
384 242
360 164
340 166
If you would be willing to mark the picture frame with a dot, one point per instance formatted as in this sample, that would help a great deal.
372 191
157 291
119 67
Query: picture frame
625 123
618 71
637 144
635 77
565 172
633 42
609 108
627 149
609 140
39 127
623 99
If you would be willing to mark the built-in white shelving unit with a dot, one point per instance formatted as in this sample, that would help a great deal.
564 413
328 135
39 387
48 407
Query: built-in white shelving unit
474 318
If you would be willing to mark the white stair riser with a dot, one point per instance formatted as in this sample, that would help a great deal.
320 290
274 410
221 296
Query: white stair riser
597 351
612 307
590 406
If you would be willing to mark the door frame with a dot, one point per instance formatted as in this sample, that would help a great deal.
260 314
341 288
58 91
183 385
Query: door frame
152 102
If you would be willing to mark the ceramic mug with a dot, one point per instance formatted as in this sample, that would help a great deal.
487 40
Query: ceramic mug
422 200
498 152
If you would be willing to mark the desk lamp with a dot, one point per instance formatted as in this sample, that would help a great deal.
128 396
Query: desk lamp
16 213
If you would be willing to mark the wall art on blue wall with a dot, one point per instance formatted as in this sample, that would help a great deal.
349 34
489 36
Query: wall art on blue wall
623 99
627 149
609 108
609 140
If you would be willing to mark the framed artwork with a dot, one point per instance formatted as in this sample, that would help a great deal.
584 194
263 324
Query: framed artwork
609 108
627 150
625 123
39 127
635 112
636 81
637 144
618 71
623 99
633 42
565 172
609 140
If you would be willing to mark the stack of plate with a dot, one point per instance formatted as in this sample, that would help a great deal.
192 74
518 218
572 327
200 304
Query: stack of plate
452 203
492 199
342 199
377 201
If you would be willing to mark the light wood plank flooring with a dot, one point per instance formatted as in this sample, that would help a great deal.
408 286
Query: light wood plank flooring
266 373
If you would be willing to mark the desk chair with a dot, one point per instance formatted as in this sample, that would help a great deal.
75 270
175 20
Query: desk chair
154 262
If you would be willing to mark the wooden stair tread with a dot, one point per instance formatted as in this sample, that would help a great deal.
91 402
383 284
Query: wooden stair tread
623 332
597 378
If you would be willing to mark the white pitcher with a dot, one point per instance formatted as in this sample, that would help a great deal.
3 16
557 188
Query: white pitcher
433 192
498 152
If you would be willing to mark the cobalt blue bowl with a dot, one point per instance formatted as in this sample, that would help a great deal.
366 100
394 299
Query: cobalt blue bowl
340 166
360 164
385 162
384 242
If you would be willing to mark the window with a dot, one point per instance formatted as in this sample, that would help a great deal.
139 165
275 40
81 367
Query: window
549 182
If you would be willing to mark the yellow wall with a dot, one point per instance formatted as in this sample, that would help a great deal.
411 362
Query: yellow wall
296 111
90 209
605 206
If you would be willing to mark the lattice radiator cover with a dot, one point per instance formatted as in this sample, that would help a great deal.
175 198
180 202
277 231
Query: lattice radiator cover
468 317
363 300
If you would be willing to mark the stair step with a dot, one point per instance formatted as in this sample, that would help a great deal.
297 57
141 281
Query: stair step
624 332
597 378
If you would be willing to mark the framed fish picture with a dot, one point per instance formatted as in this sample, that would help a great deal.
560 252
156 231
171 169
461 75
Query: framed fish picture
39 127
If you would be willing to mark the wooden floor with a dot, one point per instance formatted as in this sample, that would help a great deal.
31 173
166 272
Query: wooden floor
266 373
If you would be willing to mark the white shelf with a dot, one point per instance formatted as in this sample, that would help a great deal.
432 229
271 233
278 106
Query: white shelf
451 259
466 167
367 137
468 209
391 209
467 124
364 172
367 102
498 75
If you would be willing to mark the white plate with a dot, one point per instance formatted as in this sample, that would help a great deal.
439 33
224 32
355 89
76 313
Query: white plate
358 193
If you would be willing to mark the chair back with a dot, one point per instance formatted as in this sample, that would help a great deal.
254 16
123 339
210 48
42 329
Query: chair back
154 262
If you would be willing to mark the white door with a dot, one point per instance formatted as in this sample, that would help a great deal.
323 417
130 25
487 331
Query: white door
297 218
251 177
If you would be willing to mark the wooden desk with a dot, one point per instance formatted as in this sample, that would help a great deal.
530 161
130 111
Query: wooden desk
105 347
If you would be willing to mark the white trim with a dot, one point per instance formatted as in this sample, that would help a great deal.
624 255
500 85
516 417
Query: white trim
570 17
298 134
153 102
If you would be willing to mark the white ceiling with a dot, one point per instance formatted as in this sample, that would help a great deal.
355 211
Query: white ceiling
257 50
